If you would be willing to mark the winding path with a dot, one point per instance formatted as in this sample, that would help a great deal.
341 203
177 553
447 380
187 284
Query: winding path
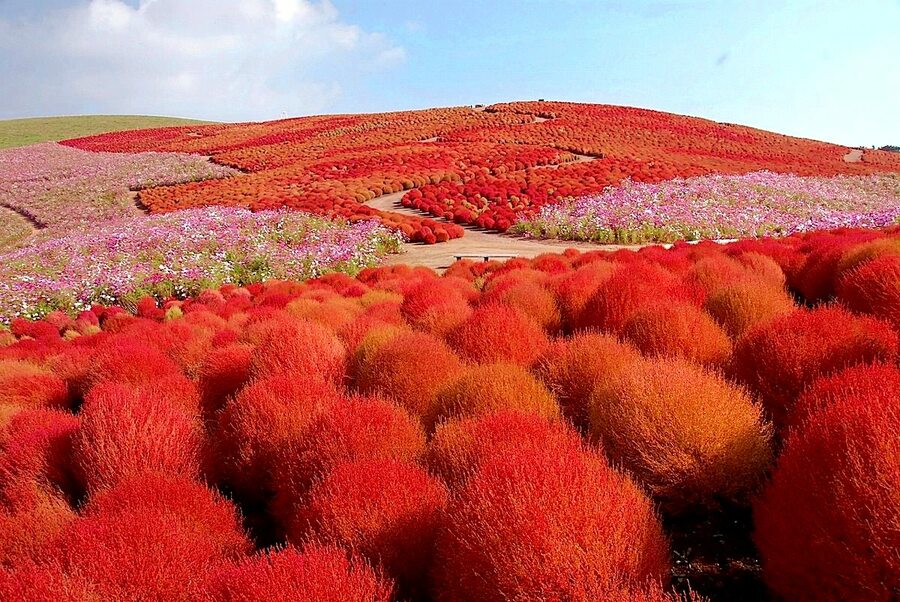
477 243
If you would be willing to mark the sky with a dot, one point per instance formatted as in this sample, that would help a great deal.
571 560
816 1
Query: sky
823 69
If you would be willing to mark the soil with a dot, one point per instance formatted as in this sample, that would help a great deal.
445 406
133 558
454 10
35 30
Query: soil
854 156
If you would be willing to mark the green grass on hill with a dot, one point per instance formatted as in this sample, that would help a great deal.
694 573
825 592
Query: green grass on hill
20 132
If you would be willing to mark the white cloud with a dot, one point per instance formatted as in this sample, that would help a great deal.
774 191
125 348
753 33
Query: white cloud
219 59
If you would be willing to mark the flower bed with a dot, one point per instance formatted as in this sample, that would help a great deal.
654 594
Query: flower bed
721 207
63 189
179 254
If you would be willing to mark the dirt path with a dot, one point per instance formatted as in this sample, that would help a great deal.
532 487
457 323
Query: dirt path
854 156
14 228
476 243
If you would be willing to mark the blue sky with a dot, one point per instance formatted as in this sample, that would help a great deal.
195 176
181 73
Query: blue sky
822 69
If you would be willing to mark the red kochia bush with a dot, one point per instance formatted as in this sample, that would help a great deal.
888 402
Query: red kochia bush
574 366
435 306
224 372
688 435
878 383
828 525
35 453
779 358
263 417
125 433
547 525
873 288
487 388
355 430
530 297
384 509
460 445
409 368
498 333
317 573
29 528
151 539
24 384
628 289
573 290
303 348
678 329
129 361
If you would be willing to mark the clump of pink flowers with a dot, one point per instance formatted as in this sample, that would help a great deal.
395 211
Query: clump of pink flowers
180 254
59 189
720 207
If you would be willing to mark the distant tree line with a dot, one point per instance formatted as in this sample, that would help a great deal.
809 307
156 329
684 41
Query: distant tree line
891 148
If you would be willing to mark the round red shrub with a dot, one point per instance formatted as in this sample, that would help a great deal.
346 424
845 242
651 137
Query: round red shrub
125 360
460 445
678 329
360 429
25 384
408 368
304 348
532 298
125 433
828 524
481 389
689 436
147 550
256 423
873 288
879 383
572 367
499 333
573 290
386 510
435 306
317 573
35 452
28 530
779 358
547 525
631 287
224 372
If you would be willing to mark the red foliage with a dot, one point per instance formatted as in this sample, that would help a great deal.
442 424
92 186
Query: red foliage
877 383
460 445
873 288
539 525
499 333
531 298
386 510
435 306
225 371
125 433
302 348
263 417
28 385
150 538
317 573
678 329
573 290
828 525
409 368
779 358
360 429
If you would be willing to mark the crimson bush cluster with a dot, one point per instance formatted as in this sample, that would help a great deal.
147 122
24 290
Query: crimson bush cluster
505 431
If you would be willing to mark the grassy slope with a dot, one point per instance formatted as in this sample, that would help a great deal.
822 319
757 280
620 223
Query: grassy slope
19 132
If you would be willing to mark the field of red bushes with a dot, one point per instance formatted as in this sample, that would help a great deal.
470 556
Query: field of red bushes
466 166
706 422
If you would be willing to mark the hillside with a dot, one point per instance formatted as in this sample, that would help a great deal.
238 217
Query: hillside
20 132
483 167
